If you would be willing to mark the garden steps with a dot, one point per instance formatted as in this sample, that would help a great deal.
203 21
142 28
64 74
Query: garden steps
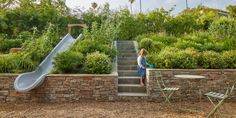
127 62
131 88
127 72
127 67
128 81
127 58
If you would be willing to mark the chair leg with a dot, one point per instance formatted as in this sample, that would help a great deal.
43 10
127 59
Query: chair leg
169 96
211 101
215 108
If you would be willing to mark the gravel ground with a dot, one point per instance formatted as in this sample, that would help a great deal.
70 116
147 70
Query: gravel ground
113 110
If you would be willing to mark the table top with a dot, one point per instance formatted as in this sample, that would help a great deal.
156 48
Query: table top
190 76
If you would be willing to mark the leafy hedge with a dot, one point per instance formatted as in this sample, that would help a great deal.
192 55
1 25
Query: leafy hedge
68 62
197 50
98 63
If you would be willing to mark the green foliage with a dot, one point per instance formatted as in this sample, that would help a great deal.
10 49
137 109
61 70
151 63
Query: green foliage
182 24
7 44
146 43
68 62
174 58
156 20
28 14
128 26
212 60
166 58
98 63
16 63
89 46
7 63
106 33
37 49
223 27
232 10
230 59
183 44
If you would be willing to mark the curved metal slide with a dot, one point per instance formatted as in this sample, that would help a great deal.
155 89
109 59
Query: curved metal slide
28 81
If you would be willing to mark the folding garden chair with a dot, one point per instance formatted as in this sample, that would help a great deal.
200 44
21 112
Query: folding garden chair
166 91
219 97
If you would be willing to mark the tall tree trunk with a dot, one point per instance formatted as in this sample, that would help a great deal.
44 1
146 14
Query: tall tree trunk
131 10
140 6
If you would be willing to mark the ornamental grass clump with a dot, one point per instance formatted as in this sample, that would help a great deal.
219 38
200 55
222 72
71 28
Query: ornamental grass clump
98 63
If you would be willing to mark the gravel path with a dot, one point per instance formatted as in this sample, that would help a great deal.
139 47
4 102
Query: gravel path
113 110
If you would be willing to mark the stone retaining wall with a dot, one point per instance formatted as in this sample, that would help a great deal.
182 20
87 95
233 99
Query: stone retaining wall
79 87
191 89
63 88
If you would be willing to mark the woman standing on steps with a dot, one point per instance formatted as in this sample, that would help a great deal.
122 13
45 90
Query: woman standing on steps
142 64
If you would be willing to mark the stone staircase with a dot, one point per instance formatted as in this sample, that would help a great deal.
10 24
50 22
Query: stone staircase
128 81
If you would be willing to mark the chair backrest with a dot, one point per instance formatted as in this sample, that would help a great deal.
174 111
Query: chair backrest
159 79
230 90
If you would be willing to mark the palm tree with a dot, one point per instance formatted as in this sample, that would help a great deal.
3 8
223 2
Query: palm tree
131 2
94 5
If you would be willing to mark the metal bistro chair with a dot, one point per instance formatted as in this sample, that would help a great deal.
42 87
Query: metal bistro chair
166 91
220 98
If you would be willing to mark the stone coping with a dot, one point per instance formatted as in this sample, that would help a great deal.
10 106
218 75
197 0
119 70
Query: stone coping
153 69
66 75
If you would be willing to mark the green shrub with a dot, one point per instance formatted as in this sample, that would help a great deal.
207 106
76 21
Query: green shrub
175 58
187 59
151 58
25 35
224 27
218 47
230 59
37 49
212 60
7 64
167 40
7 44
98 63
89 46
166 58
183 44
146 43
68 62
16 63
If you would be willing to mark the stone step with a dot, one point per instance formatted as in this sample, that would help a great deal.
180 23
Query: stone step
132 94
127 62
125 42
124 48
131 88
127 67
129 80
127 51
128 58
127 72
127 54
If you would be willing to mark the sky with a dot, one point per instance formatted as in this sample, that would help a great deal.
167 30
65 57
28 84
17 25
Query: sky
148 5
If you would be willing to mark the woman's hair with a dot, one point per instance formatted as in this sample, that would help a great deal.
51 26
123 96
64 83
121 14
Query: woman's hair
143 51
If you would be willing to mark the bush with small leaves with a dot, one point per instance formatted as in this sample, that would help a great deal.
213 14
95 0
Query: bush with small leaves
212 60
68 62
98 63
230 59
146 43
